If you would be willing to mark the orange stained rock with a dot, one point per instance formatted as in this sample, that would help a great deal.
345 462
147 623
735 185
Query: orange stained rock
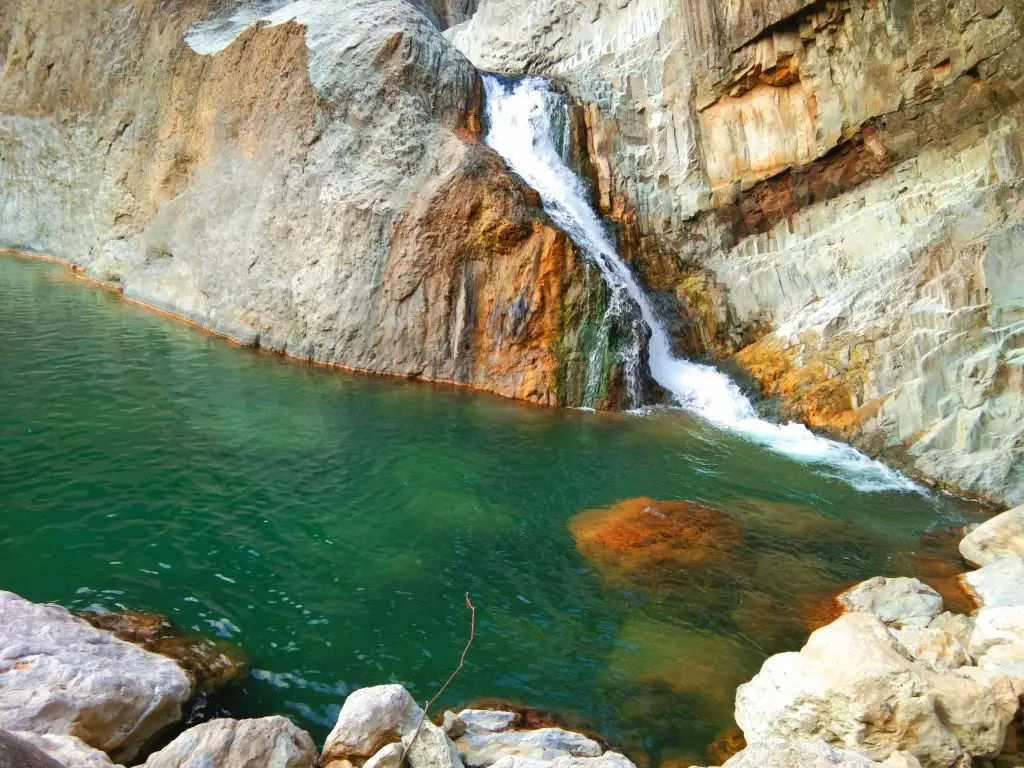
819 610
642 532
728 743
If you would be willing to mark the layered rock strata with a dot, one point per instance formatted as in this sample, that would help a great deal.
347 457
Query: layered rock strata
303 177
829 193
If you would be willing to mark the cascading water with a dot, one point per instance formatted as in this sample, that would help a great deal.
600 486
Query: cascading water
522 116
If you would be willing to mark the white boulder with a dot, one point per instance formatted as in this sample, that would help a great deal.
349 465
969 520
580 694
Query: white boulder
1002 625
1002 536
370 719
607 760
62 676
805 753
854 687
24 749
899 601
269 742
483 748
431 748
492 720
999 583
936 648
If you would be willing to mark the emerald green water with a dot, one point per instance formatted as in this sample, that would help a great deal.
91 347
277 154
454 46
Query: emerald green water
329 524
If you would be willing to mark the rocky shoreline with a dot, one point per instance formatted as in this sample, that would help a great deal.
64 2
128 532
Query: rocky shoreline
895 681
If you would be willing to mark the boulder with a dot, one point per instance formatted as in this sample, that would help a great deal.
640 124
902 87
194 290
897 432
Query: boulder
997 584
1002 536
1002 625
269 742
370 719
853 686
390 756
488 720
431 749
901 760
956 624
63 676
23 749
607 760
483 748
1006 659
936 648
897 601
805 753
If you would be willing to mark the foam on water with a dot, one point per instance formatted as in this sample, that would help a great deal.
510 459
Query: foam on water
522 118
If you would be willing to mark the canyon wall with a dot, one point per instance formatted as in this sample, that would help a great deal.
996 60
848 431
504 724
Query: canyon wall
828 193
307 179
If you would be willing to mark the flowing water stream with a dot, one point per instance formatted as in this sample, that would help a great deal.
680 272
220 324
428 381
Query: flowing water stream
329 524
525 124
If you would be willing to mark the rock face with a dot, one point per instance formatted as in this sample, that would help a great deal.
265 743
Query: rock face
63 677
312 183
1002 536
830 193
269 742
853 686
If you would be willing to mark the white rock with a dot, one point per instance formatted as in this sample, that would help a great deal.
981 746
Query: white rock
488 720
956 624
369 719
62 676
432 749
805 753
852 686
453 725
997 626
269 742
936 648
483 749
607 760
23 749
897 601
1006 659
998 583
901 760
1002 536
390 756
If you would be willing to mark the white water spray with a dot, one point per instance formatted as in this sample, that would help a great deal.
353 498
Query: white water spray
521 116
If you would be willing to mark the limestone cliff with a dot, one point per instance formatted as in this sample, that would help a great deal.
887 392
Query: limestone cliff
303 177
830 192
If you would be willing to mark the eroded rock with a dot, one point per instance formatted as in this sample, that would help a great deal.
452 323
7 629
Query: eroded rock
63 676
370 719
899 601
269 742
1002 536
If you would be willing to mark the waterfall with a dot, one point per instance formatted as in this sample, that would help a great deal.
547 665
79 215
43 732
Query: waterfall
522 116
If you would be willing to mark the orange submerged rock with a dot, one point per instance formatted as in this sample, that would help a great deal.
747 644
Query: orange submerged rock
642 532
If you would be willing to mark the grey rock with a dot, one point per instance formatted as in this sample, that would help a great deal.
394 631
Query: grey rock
488 720
432 749
453 725
480 749
995 539
62 676
269 742
896 602
24 749
390 756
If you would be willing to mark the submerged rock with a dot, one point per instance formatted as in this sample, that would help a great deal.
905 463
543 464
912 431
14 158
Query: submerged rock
211 663
853 686
269 742
642 534
898 602
1002 536
23 749
62 676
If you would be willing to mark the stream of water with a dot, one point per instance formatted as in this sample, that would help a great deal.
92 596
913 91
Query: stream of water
329 524
524 118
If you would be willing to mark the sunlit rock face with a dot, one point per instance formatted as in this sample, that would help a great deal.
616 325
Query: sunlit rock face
831 192
304 177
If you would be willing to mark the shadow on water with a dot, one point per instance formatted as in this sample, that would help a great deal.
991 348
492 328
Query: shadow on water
330 524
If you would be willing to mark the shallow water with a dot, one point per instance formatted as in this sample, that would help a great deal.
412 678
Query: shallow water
330 523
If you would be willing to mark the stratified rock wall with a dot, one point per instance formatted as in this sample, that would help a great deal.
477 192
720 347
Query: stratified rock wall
831 191
310 183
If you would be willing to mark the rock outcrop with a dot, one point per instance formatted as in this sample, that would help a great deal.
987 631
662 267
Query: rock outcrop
310 183
830 193
269 742
62 676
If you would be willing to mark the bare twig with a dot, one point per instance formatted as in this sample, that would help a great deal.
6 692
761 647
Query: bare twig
462 661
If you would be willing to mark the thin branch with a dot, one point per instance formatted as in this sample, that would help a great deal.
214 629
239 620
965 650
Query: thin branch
462 661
